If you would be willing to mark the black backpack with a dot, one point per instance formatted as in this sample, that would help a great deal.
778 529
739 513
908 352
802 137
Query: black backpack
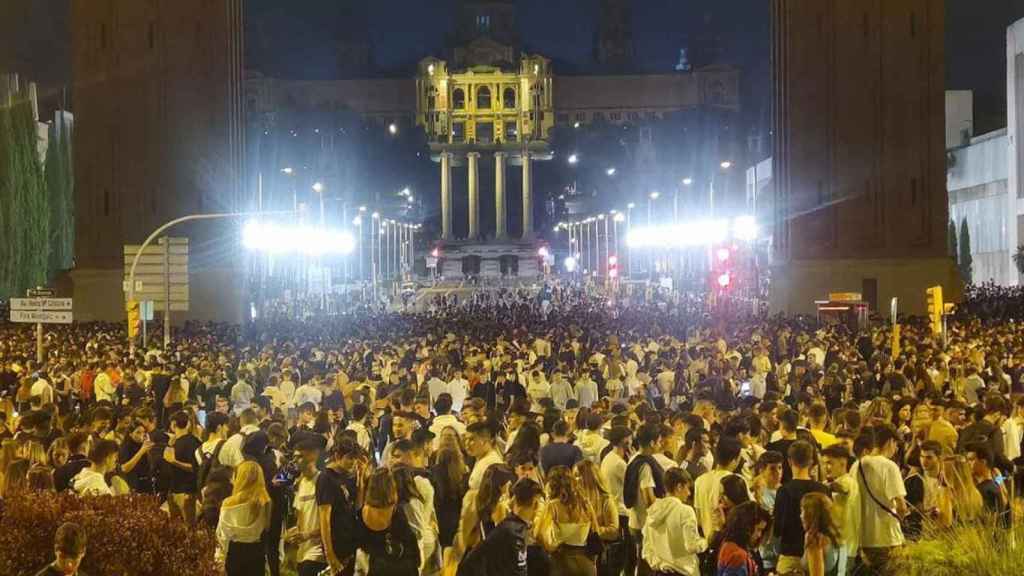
209 465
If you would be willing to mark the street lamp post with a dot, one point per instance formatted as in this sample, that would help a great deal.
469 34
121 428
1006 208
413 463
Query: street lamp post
650 223
629 249
603 263
374 253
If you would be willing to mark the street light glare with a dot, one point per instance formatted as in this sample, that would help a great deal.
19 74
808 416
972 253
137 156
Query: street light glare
357 221
276 239
631 205
318 187
610 171
362 208
573 159
726 165
286 170
654 195
687 181
392 128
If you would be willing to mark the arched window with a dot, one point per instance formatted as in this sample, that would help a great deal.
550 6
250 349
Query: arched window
483 98
458 99
509 98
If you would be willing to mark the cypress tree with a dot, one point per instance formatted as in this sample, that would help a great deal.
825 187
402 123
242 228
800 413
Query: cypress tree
965 261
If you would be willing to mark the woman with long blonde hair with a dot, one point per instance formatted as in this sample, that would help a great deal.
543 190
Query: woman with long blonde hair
565 524
244 516
963 503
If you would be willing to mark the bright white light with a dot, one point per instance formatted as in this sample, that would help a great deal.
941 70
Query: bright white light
430 69
687 181
411 199
392 129
698 233
362 208
573 159
744 228
726 165
610 171
620 217
357 221
631 205
286 170
405 192
654 195
376 215
724 279
600 216
276 239
723 254
570 264
576 124
318 187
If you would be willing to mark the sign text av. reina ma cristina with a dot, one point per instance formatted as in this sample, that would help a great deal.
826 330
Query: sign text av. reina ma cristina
40 307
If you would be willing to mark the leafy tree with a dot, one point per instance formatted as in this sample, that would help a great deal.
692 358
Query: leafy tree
952 240
965 261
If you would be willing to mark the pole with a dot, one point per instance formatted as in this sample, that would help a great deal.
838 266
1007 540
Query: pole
39 344
167 291
144 337
158 231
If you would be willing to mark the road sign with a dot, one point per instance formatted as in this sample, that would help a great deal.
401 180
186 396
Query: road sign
40 303
41 292
41 317
146 310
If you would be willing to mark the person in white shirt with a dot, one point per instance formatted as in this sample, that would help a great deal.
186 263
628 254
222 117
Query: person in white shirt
1013 431
445 419
305 534
103 385
287 388
92 481
671 540
882 501
231 451
587 391
561 390
358 425
436 387
458 387
480 445
41 389
708 487
241 394
589 439
309 392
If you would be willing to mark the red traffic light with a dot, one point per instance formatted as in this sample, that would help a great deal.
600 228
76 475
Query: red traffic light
613 260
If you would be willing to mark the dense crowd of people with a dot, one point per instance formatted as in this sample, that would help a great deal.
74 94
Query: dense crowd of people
553 433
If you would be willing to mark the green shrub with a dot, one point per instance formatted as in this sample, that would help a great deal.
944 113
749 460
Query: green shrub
981 549
127 536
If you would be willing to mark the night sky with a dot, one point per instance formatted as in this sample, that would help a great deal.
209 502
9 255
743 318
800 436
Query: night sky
299 37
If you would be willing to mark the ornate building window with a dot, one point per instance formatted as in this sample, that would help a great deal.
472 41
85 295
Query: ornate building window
459 99
509 98
483 98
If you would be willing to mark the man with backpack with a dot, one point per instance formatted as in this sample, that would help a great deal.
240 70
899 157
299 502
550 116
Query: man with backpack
643 485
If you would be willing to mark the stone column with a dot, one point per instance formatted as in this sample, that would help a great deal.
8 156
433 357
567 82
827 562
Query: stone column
474 195
446 196
501 231
527 198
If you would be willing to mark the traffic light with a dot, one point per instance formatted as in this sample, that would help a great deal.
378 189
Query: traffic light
724 279
132 308
613 266
933 299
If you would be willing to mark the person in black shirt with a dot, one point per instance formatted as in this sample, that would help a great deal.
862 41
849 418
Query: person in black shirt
559 452
337 501
504 551
992 495
788 420
180 456
78 446
69 549
383 530
788 525
133 459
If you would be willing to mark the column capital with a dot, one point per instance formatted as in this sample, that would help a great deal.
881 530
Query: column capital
500 154
472 154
